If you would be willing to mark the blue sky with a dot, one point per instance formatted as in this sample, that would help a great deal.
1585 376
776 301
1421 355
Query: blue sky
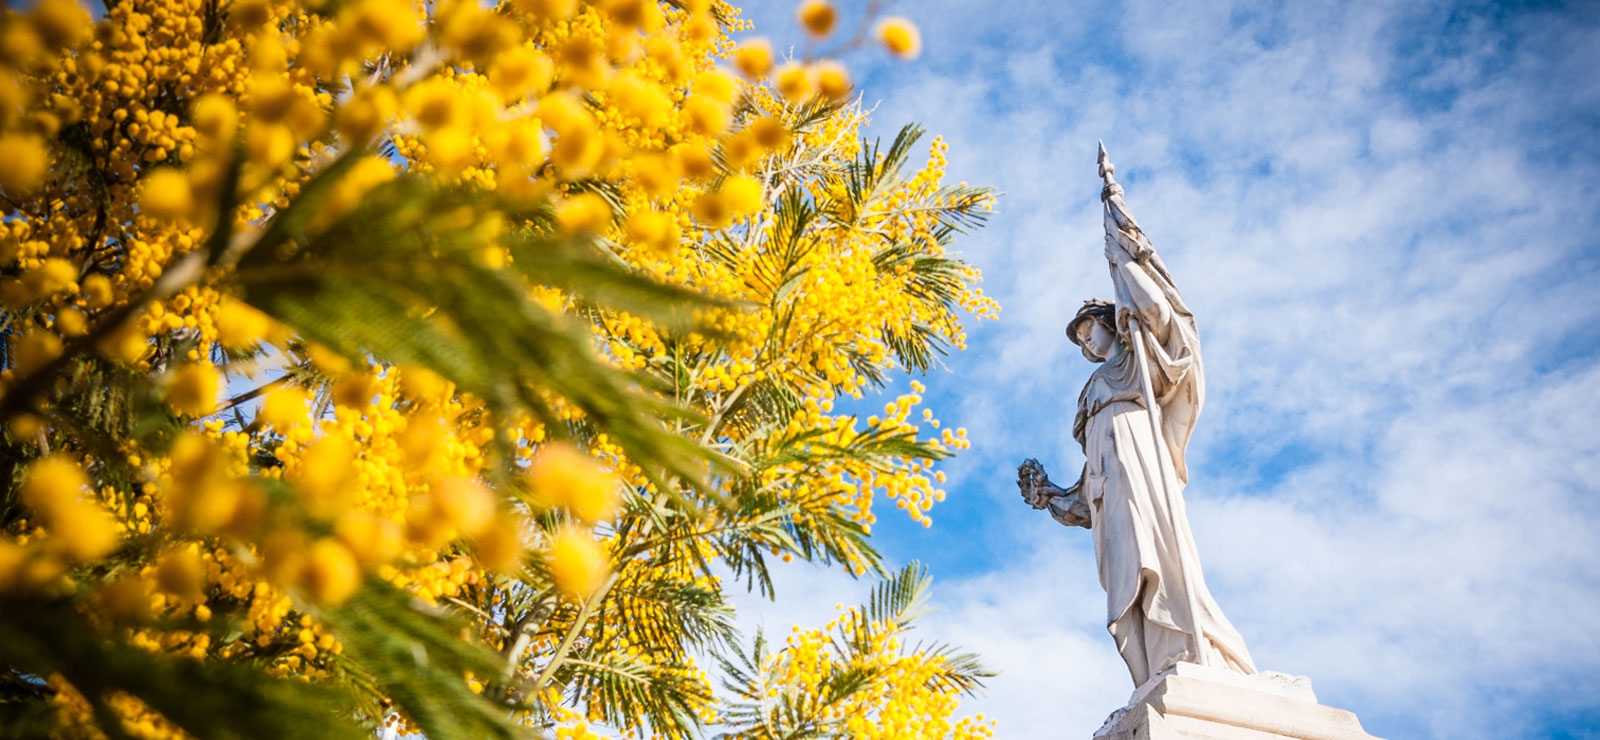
1384 216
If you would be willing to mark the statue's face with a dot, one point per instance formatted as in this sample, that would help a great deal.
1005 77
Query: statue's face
1098 342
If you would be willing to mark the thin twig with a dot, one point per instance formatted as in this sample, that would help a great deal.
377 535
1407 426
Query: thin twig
559 657
251 394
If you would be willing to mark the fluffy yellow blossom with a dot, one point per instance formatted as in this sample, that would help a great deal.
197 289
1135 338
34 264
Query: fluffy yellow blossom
499 548
520 72
578 151
353 390
180 572
70 322
127 343
742 195
239 325
563 476
899 36
818 17
426 526
795 81
422 384
656 232
192 389
753 58
478 35
249 14
584 213
707 117
643 100
419 443
436 104
52 483
331 574
53 275
202 496
578 563
167 194
60 23
13 561
327 360
392 24
124 600
711 209
718 85
215 116
372 539
833 80
581 61
644 15
32 351
283 556
326 476
284 407
464 505
696 161
97 291
26 160
656 173
368 112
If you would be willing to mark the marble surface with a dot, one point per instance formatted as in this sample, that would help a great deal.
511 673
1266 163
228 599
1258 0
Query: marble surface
1194 702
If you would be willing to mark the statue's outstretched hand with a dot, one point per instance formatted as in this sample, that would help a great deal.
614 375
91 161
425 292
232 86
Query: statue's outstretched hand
1033 483
1065 505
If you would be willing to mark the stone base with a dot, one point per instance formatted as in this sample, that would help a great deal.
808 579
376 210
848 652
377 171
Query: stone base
1193 702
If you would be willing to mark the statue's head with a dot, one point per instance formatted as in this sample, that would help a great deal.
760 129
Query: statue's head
1094 329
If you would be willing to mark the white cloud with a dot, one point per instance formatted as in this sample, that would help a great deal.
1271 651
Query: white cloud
1385 217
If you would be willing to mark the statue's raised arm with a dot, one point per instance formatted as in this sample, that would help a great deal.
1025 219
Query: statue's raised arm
1150 310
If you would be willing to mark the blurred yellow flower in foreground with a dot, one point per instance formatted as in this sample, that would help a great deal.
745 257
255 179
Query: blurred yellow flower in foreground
818 17
578 563
900 37
562 476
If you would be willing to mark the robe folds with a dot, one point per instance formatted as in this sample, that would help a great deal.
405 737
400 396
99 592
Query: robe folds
1134 477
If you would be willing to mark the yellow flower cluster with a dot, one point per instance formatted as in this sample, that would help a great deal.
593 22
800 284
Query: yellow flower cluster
138 720
902 699
283 476
837 314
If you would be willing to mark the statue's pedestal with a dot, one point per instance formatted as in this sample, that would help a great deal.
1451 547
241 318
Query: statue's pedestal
1192 702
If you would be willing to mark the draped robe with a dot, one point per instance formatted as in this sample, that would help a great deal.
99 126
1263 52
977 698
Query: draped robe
1133 481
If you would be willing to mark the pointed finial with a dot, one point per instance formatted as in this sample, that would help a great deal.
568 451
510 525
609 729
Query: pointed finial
1106 168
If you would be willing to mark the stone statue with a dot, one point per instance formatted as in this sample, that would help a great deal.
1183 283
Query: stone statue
1134 419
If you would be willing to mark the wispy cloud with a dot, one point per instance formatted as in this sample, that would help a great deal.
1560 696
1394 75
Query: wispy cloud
1386 218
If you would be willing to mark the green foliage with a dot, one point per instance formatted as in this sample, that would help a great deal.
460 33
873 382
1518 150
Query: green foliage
403 277
413 654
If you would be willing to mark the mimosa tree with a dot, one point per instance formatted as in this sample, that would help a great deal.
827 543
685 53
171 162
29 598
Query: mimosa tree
424 364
